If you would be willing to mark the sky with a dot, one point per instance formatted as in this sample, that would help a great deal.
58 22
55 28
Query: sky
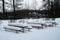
31 3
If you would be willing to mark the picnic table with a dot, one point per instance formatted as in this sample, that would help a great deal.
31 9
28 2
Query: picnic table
22 26
13 29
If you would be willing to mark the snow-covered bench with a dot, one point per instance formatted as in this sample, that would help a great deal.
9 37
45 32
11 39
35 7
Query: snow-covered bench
51 24
22 26
38 26
13 29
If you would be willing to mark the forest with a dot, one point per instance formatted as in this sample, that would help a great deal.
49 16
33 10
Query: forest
22 9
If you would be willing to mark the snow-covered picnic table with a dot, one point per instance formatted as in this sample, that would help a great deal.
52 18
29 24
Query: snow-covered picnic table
22 26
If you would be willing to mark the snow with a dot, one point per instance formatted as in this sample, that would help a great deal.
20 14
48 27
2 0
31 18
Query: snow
50 33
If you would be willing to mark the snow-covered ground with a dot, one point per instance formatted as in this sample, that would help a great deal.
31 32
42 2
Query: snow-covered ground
50 33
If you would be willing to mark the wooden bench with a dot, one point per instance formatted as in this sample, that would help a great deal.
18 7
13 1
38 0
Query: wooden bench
51 24
22 27
13 29
37 26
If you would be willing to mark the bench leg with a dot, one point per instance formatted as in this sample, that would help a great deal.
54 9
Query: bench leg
28 29
23 30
